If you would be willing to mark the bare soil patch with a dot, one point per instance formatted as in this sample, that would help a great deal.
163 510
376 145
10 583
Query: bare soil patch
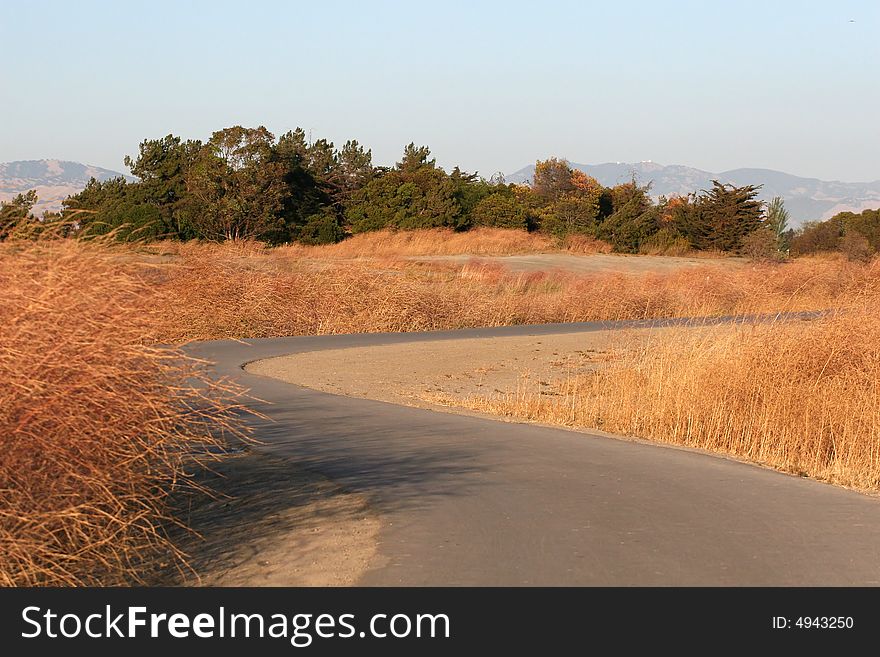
421 373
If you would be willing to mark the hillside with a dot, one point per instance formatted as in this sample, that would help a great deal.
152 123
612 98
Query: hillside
807 199
54 180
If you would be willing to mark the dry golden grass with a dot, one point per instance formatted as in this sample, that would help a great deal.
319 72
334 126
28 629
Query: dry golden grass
97 427
442 241
241 290
803 397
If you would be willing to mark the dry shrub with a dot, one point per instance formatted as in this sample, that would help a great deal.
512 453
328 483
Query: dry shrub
761 245
803 397
856 247
97 427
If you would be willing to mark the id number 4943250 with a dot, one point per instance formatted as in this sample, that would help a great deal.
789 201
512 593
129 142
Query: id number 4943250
813 623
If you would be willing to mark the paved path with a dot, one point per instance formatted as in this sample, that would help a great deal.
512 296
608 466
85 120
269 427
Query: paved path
472 501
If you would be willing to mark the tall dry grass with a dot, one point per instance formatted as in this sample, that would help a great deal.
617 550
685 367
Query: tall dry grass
97 427
246 291
444 241
803 397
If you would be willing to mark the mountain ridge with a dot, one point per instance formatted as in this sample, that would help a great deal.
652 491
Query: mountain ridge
54 180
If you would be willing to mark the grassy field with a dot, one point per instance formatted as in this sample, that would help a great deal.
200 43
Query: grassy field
246 290
99 424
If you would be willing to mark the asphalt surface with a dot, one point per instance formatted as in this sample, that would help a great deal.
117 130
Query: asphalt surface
472 501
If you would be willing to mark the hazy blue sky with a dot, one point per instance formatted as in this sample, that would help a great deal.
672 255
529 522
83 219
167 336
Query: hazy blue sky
490 85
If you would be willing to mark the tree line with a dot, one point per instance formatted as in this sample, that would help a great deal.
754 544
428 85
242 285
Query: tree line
245 183
855 234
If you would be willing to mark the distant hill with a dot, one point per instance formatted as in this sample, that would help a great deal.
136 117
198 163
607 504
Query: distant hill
807 199
54 180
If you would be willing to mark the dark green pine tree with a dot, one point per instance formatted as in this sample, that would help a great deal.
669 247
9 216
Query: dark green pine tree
162 166
728 214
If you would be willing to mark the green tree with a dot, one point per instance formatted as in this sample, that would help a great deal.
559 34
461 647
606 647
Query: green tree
236 187
306 193
721 218
500 211
321 228
816 236
354 170
321 161
469 190
117 206
634 219
732 212
552 179
865 223
861 233
568 201
416 194
162 166
683 215
568 214
136 220
777 222
415 158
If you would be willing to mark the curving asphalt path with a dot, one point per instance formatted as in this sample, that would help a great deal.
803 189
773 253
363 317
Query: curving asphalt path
473 501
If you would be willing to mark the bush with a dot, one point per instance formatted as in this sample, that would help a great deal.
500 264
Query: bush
321 228
408 200
761 245
135 222
628 229
867 223
665 242
500 211
570 215
856 247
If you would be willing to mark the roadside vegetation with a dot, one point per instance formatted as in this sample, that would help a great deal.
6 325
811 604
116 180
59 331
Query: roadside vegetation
98 427
248 290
